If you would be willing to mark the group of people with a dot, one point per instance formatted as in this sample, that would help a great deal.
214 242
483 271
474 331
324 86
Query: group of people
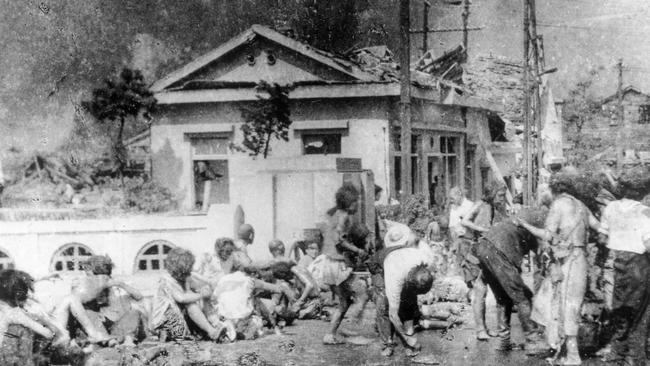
225 296
490 242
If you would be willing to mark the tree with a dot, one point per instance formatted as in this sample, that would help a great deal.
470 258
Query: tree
123 98
268 118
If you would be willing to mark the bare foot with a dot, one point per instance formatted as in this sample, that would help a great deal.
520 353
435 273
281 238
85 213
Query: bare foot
387 352
331 339
569 361
482 335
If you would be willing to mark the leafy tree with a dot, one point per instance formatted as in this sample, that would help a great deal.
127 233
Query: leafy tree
268 118
124 98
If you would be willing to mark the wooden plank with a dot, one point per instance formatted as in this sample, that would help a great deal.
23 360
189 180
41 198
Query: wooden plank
497 172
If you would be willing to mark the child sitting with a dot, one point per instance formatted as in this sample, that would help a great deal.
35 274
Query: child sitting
88 303
177 312
308 305
17 326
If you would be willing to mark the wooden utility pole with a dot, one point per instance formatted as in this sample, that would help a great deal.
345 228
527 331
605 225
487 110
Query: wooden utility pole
465 23
425 27
620 144
526 143
537 88
405 96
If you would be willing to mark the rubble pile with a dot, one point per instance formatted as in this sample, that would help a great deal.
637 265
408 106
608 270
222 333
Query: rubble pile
52 187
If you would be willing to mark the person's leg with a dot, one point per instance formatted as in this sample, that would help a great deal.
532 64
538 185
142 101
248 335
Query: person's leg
72 305
197 316
129 327
382 322
479 292
344 294
574 286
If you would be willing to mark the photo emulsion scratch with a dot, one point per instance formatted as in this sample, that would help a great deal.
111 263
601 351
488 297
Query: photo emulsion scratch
341 182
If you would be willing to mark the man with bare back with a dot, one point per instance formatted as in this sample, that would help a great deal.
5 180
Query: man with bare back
566 231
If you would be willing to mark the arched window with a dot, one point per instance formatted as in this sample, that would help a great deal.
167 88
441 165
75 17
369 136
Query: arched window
70 257
5 261
152 256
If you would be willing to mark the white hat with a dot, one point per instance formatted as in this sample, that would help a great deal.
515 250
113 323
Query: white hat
397 234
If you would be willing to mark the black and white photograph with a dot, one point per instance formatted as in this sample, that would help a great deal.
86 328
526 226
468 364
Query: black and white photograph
324 182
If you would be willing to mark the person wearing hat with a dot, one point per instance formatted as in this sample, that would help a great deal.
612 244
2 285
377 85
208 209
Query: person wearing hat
626 224
399 273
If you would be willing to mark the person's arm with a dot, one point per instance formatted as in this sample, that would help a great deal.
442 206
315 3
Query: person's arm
277 289
20 317
188 297
132 291
594 224
307 284
468 220
344 243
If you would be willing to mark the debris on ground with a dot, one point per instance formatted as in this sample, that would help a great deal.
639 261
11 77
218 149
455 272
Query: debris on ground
251 359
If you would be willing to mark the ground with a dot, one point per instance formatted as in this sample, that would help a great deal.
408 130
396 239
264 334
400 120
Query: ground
301 345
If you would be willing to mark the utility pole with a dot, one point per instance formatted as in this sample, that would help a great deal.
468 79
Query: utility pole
405 96
621 118
425 27
537 87
465 23
526 143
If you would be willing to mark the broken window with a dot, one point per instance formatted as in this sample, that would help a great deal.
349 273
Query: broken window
321 144
644 114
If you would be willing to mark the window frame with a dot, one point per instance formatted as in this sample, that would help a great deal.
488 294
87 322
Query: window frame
149 257
331 132
76 257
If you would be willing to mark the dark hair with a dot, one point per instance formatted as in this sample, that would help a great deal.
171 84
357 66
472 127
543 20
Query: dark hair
346 196
179 263
358 234
15 286
282 270
490 191
222 242
562 182
99 265
421 279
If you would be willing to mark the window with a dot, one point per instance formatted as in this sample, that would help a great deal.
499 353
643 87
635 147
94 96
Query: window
210 154
152 256
644 114
70 257
321 144
5 261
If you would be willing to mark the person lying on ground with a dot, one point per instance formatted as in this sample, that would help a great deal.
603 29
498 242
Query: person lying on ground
236 301
330 269
92 291
399 273
177 309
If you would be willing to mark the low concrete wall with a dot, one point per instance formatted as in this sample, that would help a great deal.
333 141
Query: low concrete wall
33 244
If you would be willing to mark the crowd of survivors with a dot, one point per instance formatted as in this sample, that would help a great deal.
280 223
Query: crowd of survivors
224 296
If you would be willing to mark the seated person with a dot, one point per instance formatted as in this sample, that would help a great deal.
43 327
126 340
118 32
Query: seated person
237 304
87 299
177 311
308 305
17 326
312 250
223 261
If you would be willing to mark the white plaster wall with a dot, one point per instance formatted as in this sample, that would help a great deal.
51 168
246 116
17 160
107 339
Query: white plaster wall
32 245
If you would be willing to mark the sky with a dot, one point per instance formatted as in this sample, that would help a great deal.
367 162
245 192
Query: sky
42 76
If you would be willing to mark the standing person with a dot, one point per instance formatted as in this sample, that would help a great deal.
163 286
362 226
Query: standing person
501 251
627 225
459 208
330 269
566 230
380 223
399 274
483 215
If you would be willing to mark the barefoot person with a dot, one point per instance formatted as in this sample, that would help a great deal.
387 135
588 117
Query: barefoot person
399 274
330 269
566 230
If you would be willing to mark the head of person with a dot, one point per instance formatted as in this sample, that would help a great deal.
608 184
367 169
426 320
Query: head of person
281 270
276 247
544 195
223 248
420 279
378 191
312 248
358 234
563 182
99 265
246 233
494 194
347 198
179 263
15 286
456 195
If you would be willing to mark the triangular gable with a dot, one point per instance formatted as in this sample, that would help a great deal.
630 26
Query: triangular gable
218 64
628 89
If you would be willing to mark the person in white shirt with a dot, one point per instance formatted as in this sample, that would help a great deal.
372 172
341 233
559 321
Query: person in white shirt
626 223
399 274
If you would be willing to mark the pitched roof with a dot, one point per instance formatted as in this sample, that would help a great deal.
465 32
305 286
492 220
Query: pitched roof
344 66
626 90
